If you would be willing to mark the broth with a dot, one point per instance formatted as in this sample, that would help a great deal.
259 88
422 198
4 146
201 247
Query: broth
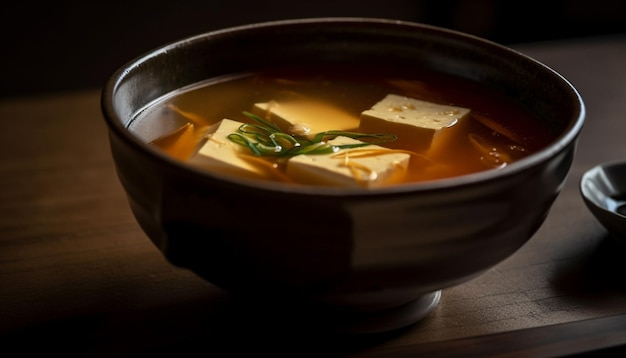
495 133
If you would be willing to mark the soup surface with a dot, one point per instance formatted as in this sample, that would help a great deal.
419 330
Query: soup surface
481 130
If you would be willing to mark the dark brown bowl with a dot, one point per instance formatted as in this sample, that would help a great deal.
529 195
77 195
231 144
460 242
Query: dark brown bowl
366 261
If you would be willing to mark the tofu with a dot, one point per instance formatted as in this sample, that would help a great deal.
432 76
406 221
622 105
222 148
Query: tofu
416 123
306 117
346 169
220 154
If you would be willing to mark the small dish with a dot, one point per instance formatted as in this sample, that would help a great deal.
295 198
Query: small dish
603 189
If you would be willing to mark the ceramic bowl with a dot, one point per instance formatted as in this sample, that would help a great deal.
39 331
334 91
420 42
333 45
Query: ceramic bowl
603 189
363 261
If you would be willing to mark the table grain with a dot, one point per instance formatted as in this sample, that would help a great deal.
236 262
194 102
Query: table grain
79 277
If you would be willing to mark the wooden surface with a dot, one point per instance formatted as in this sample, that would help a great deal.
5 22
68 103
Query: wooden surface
78 276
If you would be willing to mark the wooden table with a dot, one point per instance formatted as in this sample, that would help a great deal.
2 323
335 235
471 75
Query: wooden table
78 276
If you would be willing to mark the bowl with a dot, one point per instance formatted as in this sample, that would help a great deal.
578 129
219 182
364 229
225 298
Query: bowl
350 260
603 189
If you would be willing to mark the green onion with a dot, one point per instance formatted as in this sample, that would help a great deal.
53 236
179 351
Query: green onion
266 139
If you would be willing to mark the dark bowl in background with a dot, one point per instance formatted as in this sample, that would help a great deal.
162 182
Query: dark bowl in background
603 189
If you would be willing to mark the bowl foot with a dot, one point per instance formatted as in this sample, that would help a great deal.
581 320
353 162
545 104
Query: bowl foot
387 320
323 319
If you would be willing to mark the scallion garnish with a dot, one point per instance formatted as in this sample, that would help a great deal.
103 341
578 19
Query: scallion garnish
266 139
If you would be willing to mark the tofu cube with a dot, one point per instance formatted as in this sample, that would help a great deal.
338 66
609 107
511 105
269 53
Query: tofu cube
415 122
370 166
305 117
220 154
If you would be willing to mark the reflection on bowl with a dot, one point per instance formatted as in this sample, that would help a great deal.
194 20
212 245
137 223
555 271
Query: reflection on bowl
603 189
363 260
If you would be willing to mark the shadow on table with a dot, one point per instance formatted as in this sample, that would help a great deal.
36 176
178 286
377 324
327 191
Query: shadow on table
599 272
227 327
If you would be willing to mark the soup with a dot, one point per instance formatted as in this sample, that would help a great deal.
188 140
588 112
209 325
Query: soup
342 126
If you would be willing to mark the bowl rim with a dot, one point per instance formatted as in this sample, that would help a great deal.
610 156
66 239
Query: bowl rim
559 144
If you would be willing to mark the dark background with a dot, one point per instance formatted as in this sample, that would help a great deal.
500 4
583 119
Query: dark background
72 45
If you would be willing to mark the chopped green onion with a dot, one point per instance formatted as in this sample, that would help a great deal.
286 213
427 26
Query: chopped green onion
266 139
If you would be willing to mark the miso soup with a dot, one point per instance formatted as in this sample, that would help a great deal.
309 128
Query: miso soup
342 126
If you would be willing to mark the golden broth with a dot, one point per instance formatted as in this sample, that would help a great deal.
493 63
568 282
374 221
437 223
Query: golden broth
495 133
